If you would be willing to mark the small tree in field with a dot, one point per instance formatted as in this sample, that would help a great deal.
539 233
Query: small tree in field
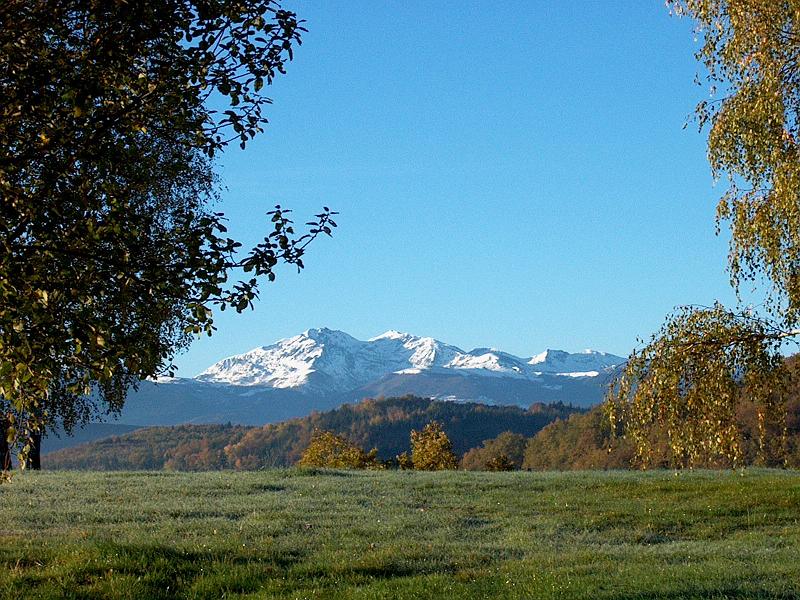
336 452
501 463
431 449
404 462
503 453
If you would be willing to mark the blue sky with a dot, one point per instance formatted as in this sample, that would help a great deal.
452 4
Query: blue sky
509 174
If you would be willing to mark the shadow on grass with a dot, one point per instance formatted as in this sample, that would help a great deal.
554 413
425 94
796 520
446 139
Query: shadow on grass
266 487
723 593
156 572
314 472
111 570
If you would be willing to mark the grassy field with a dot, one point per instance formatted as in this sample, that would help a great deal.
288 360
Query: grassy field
295 534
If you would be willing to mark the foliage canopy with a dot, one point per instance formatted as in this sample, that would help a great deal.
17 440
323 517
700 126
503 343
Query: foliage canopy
333 451
111 258
705 361
431 449
503 453
385 424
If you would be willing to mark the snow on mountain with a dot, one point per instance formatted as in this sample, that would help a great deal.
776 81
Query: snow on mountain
290 363
558 361
328 361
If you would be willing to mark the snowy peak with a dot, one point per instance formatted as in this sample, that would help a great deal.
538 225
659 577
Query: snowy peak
330 361
309 360
489 361
324 335
392 334
588 361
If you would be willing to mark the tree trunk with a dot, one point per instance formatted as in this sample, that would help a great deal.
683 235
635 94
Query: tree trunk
35 455
5 451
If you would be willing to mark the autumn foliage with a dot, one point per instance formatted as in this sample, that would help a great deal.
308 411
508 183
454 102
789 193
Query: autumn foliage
503 453
431 449
336 452
384 424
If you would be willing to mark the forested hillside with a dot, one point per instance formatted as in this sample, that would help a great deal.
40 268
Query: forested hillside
584 441
181 447
544 437
384 424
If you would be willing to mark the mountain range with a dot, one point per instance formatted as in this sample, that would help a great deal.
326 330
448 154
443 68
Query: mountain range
321 369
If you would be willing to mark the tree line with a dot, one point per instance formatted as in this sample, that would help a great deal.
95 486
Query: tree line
378 434
384 424
431 450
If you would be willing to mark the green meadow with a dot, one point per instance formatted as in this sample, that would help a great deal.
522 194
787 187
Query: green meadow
344 534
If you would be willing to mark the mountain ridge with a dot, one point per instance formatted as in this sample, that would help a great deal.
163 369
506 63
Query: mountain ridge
322 368
332 361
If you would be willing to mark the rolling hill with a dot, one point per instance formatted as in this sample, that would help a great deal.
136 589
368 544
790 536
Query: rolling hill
384 424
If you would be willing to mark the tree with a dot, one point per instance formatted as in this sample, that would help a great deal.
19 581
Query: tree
111 258
501 462
705 362
5 450
404 462
335 452
506 450
431 449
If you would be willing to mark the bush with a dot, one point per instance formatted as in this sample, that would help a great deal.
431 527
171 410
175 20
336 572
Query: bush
334 451
431 449
404 462
503 453
501 463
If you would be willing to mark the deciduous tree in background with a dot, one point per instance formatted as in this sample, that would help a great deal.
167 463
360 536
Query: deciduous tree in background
501 462
507 449
111 257
404 462
431 449
336 452
696 371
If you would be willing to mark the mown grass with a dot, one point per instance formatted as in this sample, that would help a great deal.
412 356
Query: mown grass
296 534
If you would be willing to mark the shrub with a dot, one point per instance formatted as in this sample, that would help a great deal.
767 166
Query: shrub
501 463
507 449
404 462
431 449
334 451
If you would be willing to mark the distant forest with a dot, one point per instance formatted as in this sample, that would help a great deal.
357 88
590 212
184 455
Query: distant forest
544 437
384 424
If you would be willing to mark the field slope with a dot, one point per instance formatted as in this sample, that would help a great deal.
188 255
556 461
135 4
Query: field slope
295 534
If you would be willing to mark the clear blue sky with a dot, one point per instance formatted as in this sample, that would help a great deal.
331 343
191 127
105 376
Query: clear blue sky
509 174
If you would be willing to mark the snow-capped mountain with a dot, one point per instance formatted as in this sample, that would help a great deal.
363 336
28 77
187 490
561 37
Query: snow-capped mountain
589 363
321 369
328 361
